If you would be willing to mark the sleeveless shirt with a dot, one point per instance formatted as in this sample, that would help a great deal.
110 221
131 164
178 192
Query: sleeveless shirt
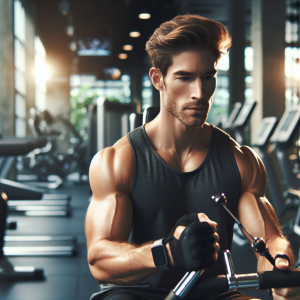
161 195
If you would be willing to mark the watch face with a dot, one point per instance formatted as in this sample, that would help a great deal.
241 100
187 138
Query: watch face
158 255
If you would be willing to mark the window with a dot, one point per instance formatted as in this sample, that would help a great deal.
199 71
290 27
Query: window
20 69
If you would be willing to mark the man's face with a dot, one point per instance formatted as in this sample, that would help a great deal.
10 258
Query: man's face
189 86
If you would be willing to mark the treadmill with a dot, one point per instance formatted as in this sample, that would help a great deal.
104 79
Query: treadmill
37 202
7 270
242 121
260 144
235 111
282 138
60 245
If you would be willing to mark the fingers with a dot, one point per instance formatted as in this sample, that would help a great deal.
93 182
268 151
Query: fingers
204 218
281 263
178 231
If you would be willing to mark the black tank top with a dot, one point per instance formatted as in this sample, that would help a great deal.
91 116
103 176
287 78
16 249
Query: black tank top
161 195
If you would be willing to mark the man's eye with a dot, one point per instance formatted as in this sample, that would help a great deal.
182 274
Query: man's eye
209 77
185 78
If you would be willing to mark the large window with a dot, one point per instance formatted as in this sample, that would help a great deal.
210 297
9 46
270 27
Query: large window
221 96
292 54
41 74
20 69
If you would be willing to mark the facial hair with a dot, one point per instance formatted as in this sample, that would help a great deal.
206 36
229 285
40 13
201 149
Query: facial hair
194 121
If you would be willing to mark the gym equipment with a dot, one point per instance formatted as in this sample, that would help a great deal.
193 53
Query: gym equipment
150 113
242 120
135 120
7 270
50 205
258 245
38 204
282 138
232 116
112 121
260 144
64 154
232 281
92 133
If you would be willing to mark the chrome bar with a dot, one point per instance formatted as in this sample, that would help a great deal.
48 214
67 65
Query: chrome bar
186 283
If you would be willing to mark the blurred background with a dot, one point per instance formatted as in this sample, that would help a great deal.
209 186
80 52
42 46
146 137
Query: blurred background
61 56
74 75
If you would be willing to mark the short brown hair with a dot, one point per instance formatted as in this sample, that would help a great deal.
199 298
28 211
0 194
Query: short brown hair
184 33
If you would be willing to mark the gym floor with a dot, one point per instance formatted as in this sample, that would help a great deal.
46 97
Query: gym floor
66 277
69 277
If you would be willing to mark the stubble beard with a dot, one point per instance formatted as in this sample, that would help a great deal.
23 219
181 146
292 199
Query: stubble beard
191 122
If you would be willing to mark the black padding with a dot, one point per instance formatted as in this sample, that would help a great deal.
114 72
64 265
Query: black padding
138 120
279 279
20 146
150 114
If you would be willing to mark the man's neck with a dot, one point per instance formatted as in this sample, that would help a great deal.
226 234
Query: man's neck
167 133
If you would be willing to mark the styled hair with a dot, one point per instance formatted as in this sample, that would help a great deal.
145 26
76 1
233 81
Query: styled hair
186 32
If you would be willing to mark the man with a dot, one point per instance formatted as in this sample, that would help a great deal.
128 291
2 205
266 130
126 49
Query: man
171 167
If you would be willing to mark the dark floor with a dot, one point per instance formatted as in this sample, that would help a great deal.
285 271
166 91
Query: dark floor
66 277
69 277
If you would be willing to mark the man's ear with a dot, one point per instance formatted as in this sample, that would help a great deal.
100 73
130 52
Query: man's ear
156 78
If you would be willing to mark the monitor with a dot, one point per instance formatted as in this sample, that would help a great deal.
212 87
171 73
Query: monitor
94 47
264 132
297 222
245 113
287 126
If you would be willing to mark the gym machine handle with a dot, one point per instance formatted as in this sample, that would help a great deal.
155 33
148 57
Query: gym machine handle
221 284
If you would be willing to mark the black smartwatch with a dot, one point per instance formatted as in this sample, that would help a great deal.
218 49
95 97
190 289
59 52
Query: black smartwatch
159 255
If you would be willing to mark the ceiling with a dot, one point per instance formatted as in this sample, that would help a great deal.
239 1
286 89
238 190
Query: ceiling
113 19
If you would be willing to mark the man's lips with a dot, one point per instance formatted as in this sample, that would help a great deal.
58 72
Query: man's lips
197 107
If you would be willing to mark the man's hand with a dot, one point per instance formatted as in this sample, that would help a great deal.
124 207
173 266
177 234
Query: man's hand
285 293
204 245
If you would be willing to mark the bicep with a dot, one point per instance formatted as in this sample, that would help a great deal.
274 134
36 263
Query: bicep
255 212
109 218
109 215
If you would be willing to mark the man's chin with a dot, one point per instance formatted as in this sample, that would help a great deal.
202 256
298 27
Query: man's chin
189 124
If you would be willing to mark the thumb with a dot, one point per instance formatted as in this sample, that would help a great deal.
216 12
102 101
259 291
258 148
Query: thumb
281 263
204 218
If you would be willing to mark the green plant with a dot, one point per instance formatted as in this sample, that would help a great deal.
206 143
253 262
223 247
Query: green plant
79 109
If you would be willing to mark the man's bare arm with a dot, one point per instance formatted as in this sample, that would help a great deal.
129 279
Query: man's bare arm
255 211
259 218
109 220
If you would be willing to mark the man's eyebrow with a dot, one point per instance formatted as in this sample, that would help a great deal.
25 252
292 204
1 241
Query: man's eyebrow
186 73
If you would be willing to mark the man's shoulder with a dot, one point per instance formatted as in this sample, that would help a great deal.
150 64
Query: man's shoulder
251 168
113 165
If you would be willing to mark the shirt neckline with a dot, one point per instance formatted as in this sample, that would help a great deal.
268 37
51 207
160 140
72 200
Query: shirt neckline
171 168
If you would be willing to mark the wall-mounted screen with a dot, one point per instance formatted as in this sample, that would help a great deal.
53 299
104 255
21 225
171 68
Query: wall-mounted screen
94 47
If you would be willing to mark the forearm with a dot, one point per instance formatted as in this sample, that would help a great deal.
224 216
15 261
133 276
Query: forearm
120 263
276 245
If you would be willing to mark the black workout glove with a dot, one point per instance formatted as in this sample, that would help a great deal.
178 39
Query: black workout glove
194 250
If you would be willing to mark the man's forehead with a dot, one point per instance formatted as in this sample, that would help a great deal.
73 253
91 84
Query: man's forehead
192 61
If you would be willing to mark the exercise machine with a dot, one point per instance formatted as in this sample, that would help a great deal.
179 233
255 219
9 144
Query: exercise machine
260 144
241 122
56 245
270 279
7 270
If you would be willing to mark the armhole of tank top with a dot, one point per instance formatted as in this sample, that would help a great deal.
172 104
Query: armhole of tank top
135 168
234 163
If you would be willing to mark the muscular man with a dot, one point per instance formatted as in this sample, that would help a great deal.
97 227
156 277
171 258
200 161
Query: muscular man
170 168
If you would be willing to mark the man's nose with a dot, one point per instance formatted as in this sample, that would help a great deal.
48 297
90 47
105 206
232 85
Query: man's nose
197 90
